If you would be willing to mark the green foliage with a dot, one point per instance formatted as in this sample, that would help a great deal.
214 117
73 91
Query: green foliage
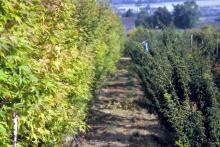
129 13
186 15
161 18
51 55
179 85
143 19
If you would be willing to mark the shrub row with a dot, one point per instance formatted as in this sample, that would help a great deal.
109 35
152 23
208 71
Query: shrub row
52 55
178 81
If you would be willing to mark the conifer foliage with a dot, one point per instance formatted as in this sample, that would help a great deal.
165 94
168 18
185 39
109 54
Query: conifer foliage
178 81
52 53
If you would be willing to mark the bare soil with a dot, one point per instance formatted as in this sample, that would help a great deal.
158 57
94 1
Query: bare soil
118 120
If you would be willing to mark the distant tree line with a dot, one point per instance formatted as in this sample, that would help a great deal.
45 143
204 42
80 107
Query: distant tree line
184 16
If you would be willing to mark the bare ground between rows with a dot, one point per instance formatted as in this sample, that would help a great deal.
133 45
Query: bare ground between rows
117 120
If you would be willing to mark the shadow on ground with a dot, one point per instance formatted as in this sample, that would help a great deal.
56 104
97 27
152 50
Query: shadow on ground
118 118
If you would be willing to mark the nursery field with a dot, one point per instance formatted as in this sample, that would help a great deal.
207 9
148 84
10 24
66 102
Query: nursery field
70 77
179 71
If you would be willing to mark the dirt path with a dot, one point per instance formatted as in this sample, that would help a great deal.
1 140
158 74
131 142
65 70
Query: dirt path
117 120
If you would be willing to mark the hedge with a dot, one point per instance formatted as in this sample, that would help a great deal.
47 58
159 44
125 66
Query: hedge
179 84
52 56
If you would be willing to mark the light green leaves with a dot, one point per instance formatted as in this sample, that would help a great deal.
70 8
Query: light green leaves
49 56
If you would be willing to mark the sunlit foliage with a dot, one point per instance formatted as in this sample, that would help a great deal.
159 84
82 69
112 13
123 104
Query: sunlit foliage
53 53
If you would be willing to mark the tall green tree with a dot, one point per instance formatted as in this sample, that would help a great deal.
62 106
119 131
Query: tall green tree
162 17
186 15
129 13
143 19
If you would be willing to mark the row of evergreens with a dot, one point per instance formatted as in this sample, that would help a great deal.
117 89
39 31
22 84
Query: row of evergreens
178 81
53 54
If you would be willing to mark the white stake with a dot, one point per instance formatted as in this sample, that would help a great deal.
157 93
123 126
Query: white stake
15 130
191 41
217 47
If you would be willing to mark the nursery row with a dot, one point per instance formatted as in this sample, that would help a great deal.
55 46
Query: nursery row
53 55
176 71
